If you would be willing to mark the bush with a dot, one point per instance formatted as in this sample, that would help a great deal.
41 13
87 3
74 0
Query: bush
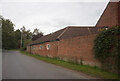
107 48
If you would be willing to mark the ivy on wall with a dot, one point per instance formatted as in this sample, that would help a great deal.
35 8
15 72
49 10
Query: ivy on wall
107 47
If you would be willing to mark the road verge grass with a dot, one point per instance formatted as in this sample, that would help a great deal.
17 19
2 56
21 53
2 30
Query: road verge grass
93 71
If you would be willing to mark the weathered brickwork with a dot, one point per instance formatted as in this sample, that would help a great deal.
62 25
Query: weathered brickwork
72 49
77 49
28 49
110 17
41 49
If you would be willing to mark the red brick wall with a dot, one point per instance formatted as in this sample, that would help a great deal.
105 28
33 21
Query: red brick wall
28 49
72 49
52 52
78 48
110 16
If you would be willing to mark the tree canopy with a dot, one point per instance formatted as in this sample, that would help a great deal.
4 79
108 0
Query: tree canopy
36 34
11 38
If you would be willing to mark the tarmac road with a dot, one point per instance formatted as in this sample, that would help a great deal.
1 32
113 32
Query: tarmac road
19 66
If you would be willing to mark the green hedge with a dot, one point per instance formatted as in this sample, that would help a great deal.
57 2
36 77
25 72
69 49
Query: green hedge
107 48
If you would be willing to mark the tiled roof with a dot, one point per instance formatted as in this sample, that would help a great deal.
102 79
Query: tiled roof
49 37
68 32
78 31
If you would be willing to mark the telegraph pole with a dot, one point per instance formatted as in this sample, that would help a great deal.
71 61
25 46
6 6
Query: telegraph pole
21 40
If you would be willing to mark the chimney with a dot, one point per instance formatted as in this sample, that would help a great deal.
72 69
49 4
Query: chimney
111 15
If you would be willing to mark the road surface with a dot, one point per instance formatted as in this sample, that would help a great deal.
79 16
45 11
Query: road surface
19 66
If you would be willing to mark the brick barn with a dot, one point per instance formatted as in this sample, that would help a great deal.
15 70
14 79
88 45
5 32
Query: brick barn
76 43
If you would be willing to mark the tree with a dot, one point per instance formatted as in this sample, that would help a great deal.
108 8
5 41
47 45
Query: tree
36 34
17 36
36 31
26 37
7 34
11 38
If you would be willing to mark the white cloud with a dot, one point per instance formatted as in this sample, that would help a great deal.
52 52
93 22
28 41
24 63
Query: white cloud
55 0
52 16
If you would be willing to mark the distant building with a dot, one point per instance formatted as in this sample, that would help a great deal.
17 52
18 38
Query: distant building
76 43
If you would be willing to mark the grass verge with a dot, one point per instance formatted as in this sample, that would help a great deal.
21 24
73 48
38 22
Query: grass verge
93 71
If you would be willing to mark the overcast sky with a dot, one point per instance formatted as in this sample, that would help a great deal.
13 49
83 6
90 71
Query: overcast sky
52 15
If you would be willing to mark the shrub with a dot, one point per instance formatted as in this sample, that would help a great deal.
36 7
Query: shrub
107 48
